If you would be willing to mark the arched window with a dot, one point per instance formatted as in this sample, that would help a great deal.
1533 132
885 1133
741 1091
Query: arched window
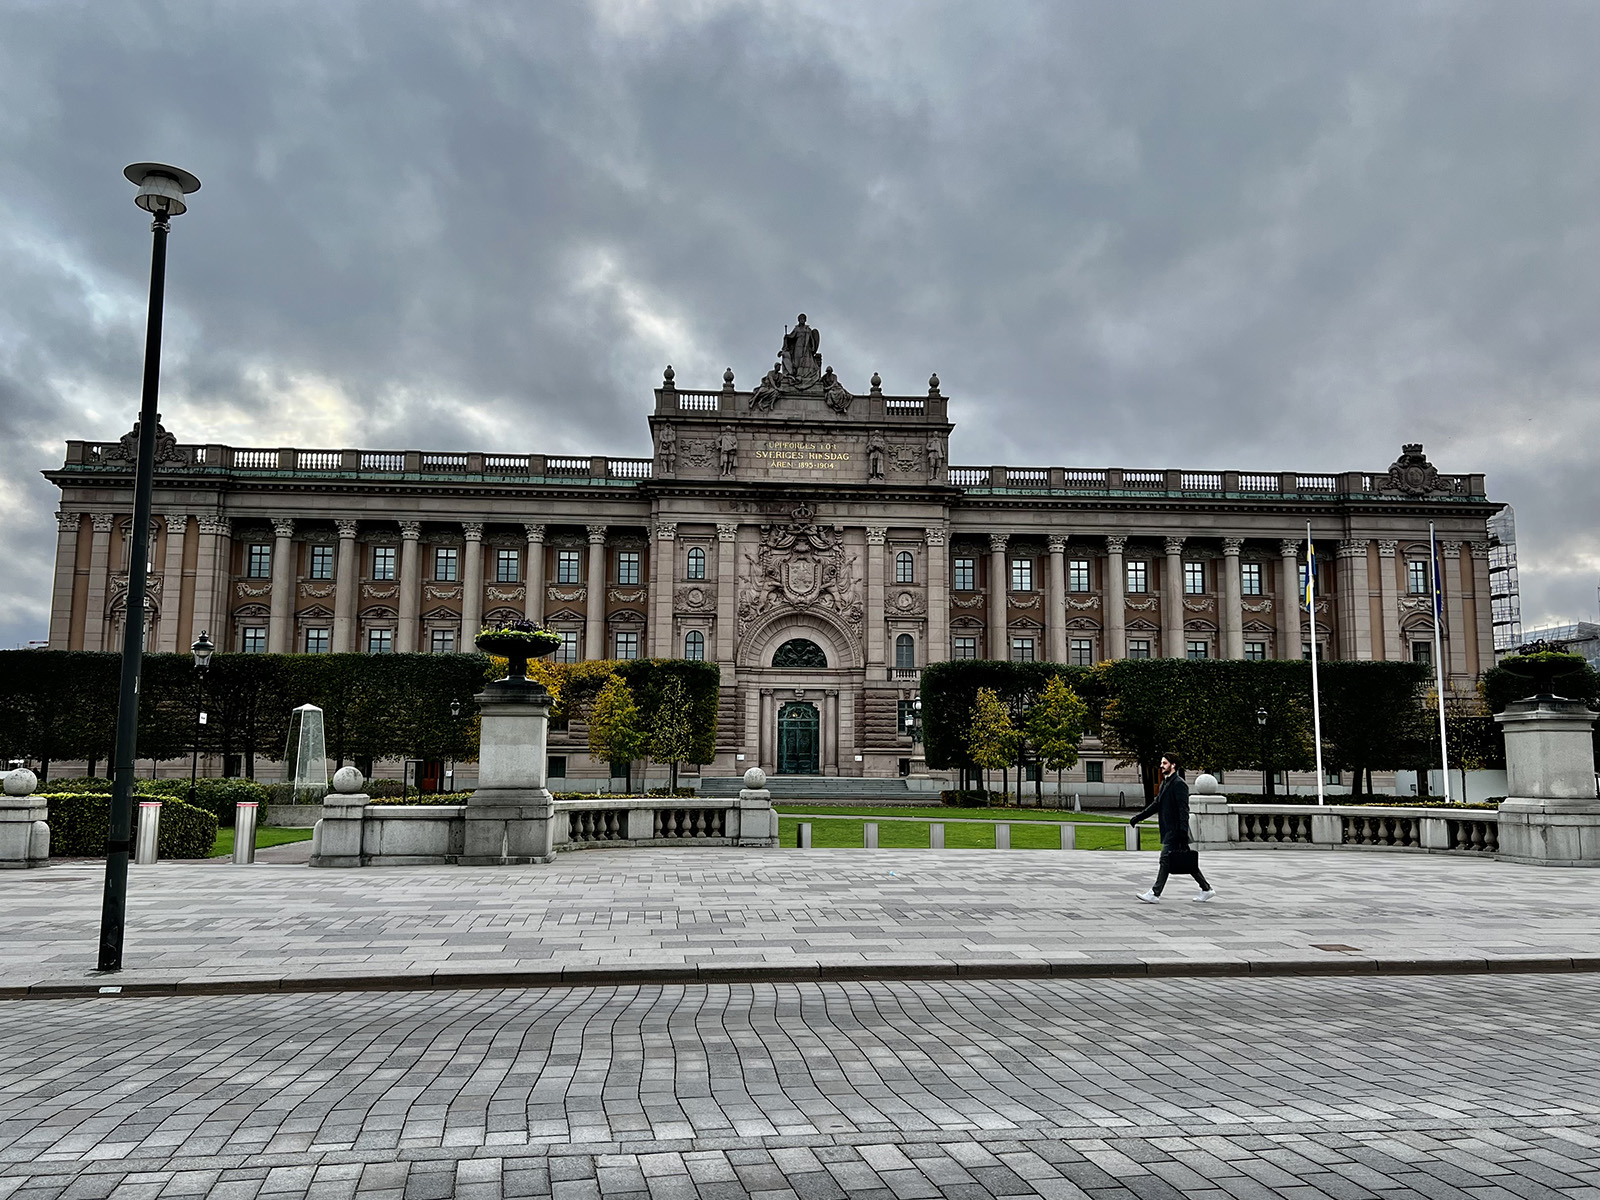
799 652
905 653
695 566
694 645
904 567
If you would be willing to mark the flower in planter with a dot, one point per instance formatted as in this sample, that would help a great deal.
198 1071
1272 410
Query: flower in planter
517 642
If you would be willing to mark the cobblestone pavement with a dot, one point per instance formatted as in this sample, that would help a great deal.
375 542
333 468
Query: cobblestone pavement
1485 1086
619 909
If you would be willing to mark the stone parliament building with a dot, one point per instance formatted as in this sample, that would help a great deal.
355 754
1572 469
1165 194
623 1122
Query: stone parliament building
816 544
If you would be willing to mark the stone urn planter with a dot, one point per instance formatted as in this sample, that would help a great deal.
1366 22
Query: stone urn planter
518 641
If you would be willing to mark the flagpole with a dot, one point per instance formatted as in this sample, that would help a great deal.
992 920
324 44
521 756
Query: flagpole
1438 657
1316 694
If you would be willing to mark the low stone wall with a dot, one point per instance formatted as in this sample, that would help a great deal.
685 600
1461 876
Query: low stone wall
1218 825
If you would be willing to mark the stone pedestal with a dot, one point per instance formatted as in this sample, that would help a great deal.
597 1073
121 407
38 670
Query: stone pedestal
1208 814
758 824
336 838
1551 816
24 835
509 817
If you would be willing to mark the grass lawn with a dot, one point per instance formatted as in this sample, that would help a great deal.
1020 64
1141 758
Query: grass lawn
269 835
939 812
1094 833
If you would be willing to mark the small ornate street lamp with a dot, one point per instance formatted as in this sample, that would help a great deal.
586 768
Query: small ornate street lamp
1261 738
202 649
161 194
455 715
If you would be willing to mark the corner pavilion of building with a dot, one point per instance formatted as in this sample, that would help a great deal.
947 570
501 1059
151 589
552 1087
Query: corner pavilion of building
815 544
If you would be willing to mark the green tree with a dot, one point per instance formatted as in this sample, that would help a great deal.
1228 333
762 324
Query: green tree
1372 716
1056 725
1144 712
616 734
992 739
671 731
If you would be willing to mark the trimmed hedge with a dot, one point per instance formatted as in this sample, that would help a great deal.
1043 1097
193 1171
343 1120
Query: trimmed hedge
969 798
425 798
79 785
78 825
219 797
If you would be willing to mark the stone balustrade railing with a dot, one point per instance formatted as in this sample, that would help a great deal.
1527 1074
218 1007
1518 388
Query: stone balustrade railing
1117 481
1220 825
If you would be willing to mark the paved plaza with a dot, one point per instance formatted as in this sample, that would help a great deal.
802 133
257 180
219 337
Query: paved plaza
702 913
581 1029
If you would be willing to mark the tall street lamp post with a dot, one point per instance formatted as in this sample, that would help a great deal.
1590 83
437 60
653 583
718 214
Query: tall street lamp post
161 193
202 649
1261 738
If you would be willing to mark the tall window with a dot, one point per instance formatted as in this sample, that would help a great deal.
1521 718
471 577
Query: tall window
380 641
1416 577
442 641
695 565
1138 576
1022 574
904 567
253 640
567 566
1194 578
259 565
1081 652
446 564
1305 652
382 563
567 652
966 575
1138 648
1094 771
628 566
317 641
964 647
694 646
1022 649
507 566
1199 649
1250 578
905 652
1078 575
1255 651
627 643
1421 652
321 562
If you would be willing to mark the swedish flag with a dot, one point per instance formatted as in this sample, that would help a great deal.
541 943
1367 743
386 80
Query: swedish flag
1311 574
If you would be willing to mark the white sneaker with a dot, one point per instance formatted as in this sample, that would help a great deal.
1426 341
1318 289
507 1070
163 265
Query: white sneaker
1150 898
1202 897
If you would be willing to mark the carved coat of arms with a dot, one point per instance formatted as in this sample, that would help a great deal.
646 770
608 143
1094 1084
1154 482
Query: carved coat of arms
800 566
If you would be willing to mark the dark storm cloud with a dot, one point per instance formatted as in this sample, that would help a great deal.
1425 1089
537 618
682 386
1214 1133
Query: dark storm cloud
1260 235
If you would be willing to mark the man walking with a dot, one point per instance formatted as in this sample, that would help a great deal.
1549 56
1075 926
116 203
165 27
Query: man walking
1177 854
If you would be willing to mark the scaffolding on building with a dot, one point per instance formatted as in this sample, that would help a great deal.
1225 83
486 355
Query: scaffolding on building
1505 600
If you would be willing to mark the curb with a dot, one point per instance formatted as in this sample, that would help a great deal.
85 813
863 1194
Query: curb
814 973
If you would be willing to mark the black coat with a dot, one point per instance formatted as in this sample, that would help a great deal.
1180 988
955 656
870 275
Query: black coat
1172 805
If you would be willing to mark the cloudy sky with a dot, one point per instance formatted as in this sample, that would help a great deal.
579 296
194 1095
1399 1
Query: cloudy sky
1257 235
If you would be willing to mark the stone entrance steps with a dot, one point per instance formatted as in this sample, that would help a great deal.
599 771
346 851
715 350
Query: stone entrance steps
813 787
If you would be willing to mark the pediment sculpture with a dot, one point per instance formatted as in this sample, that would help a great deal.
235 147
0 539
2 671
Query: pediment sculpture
127 447
799 372
1413 475
800 566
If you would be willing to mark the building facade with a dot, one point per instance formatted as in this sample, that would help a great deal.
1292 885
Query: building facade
816 544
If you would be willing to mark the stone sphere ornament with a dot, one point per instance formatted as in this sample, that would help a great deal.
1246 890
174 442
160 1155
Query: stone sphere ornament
1205 784
348 780
755 779
21 782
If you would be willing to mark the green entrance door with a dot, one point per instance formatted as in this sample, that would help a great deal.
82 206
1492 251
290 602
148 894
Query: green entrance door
798 739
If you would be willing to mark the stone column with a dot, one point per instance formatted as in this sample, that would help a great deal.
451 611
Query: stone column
1172 600
172 585
533 577
830 726
1289 598
471 585
66 573
213 580
94 616
510 817
1389 600
938 648
346 597
1115 599
1232 615
727 589
594 629
1455 623
405 641
1055 602
1483 657
663 573
280 627
767 732
999 587
877 535
1551 816
1355 601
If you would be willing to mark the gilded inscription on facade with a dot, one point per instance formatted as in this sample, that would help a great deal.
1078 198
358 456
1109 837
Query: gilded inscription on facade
803 455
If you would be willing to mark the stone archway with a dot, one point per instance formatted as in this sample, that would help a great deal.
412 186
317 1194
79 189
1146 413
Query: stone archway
762 641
